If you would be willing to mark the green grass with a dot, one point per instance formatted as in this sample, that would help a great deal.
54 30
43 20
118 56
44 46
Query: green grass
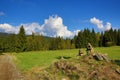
113 52
28 60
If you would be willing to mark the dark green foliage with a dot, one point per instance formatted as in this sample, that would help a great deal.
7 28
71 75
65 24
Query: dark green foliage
95 38
0 48
101 43
10 43
108 38
85 37
118 37
108 44
60 43
79 40
7 43
111 37
21 40
35 42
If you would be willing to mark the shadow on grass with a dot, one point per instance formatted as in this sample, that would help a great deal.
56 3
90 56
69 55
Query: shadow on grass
117 62
64 57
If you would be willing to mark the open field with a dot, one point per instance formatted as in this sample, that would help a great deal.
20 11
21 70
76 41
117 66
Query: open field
28 60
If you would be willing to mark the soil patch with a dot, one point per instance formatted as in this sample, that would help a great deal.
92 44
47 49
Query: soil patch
8 70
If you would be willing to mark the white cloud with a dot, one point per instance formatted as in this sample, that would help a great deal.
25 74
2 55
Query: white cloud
8 28
108 26
99 24
76 32
31 27
53 26
2 13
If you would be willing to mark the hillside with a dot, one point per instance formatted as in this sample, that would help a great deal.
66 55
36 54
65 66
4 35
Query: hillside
84 68
48 65
4 34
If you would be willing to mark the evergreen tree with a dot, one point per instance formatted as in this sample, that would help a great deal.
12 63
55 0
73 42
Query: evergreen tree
21 41
11 42
1 44
79 40
118 37
87 37
53 44
31 42
115 36
101 41
67 44
109 38
94 39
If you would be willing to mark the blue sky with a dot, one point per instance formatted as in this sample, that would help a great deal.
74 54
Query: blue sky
73 14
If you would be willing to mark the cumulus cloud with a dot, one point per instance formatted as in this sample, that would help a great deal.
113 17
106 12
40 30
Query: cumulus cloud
8 28
2 13
53 26
31 27
99 24
108 26
76 32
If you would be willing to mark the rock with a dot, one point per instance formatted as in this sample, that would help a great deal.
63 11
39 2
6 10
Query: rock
89 49
101 57
105 58
98 57
118 71
80 53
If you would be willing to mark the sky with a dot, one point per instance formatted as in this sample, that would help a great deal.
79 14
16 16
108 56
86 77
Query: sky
63 18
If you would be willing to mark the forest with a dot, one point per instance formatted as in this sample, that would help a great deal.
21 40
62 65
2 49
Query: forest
21 42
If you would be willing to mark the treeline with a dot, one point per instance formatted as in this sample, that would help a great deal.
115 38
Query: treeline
107 38
34 42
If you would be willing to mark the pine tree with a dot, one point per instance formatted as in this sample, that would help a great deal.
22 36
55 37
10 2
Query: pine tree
118 37
11 43
30 42
21 44
87 37
94 38
79 40
68 43
101 40
115 36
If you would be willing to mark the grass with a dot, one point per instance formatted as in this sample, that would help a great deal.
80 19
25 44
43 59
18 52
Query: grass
113 52
29 60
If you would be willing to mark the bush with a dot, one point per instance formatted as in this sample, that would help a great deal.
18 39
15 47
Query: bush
108 44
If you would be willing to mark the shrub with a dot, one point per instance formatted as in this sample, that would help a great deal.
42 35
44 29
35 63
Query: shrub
108 44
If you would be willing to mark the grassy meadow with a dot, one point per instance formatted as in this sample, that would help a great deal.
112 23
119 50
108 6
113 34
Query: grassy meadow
29 60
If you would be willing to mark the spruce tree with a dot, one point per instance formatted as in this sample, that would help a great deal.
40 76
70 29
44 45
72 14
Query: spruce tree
118 37
21 40
101 42
10 41
93 38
